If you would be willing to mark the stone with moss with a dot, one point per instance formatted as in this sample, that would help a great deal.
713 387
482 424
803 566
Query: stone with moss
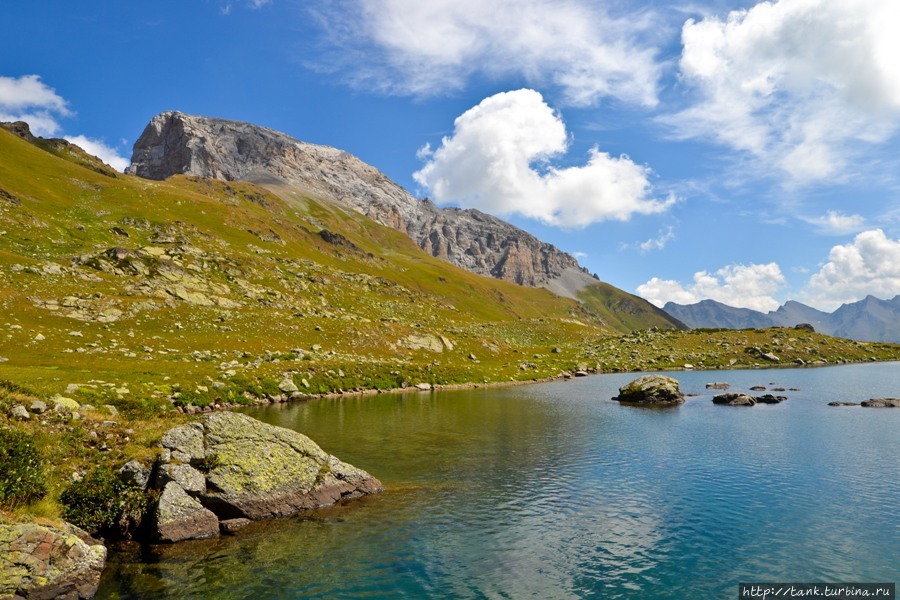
42 561
263 471
651 389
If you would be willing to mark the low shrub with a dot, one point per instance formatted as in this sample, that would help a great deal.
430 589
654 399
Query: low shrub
22 477
102 503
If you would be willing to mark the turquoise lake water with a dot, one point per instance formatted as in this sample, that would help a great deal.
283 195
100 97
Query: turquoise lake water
555 491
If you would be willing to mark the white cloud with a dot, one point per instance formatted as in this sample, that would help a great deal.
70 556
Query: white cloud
837 223
29 99
659 242
107 154
797 84
870 265
742 286
488 163
429 48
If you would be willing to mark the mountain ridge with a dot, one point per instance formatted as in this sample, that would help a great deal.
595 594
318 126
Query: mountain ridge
176 143
870 319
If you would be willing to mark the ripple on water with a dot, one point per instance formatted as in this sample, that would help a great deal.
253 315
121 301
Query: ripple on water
555 492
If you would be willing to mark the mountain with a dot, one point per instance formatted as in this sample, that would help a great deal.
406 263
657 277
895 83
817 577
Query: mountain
870 319
176 143
709 313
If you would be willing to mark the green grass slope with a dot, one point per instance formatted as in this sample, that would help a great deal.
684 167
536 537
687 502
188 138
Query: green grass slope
623 311
141 284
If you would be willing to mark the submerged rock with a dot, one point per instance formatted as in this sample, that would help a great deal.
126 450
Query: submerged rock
882 403
718 385
843 404
651 389
734 399
40 561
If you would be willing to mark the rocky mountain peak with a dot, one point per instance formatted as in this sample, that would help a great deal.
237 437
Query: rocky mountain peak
176 143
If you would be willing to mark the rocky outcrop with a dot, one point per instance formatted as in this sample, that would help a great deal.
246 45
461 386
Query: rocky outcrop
741 399
42 562
882 403
651 389
734 399
231 466
175 143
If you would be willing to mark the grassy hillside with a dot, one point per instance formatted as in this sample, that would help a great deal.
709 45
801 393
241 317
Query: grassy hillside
624 312
140 283
151 296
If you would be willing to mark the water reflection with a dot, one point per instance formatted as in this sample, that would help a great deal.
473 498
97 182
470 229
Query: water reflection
554 491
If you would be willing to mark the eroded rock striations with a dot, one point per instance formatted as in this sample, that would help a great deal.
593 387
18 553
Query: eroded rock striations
175 143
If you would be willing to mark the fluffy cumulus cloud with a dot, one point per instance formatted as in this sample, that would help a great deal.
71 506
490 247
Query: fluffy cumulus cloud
742 286
98 148
497 160
427 48
797 84
869 265
29 99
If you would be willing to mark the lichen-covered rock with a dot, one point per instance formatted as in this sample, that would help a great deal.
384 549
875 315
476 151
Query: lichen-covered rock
258 470
179 517
187 477
734 399
185 442
42 562
65 405
651 389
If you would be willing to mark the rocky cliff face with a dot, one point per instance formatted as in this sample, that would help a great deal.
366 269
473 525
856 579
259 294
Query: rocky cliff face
176 143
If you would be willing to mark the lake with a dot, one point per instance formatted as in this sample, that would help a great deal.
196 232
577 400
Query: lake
555 491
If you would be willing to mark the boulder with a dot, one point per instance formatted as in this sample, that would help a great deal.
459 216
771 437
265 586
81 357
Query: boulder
19 412
179 517
42 562
734 399
717 385
38 407
65 405
135 473
187 477
185 442
882 403
651 389
288 386
258 470
843 404
769 399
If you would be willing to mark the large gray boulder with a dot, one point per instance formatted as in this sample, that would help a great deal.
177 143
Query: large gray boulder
651 389
258 470
179 517
39 562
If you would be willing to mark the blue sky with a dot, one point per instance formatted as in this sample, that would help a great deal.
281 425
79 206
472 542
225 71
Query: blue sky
741 151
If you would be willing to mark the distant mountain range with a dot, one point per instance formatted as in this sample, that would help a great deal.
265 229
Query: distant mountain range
870 319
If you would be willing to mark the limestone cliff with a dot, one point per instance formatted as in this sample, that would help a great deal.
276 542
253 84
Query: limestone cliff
175 143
